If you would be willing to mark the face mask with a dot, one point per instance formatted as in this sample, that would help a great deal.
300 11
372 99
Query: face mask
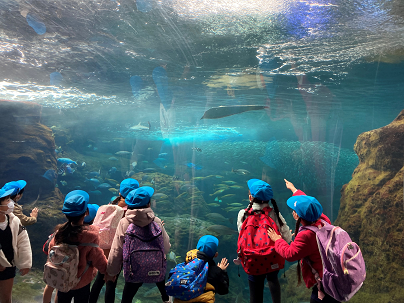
10 208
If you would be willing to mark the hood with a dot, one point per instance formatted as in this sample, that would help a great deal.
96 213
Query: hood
90 234
140 217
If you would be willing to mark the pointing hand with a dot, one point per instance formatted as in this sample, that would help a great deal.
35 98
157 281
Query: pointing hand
289 185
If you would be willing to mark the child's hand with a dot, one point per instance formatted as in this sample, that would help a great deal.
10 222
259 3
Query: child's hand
24 271
34 213
289 185
223 264
162 223
273 235
2 268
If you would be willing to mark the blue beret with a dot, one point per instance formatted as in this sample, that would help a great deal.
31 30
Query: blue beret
208 245
139 197
260 189
127 186
92 209
306 207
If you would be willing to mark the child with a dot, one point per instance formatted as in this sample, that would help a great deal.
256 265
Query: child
260 193
18 190
15 246
92 211
74 232
218 280
125 188
306 211
140 214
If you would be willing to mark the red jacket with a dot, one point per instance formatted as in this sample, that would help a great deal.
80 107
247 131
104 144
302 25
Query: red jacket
95 255
304 246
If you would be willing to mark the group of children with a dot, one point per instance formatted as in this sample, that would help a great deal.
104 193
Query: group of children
138 220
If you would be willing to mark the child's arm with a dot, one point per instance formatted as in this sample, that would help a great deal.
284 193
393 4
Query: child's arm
296 192
24 260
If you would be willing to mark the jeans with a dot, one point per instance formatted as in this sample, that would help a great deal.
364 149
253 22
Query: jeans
257 284
130 290
80 295
109 289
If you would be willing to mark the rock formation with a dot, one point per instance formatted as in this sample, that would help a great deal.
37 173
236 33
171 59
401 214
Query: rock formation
372 211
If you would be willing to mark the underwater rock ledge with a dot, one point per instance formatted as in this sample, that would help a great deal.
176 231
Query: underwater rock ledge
372 211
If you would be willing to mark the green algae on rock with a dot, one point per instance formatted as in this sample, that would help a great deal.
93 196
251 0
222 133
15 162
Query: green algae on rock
372 211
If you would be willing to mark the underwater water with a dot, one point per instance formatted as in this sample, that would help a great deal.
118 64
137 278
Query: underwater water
122 86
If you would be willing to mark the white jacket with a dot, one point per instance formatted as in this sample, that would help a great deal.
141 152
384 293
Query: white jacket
21 246
284 230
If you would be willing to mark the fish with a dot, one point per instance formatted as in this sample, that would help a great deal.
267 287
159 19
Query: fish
243 162
104 185
64 183
213 205
149 170
197 149
235 204
113 159
145 161
112 170
162 155
129 173
222 230
141 127
93 181
240 172
69 169
198 178
230 182
83 164
216 217
236 187
111 181
123 153
66 161
134 164
151 293
159 196
225 111
218 192
192 165
94 174
180 196
113 190
172 257
227 196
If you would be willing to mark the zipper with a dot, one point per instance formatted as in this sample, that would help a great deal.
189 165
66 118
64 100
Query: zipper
353 257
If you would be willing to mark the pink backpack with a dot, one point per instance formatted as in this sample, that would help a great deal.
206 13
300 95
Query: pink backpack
107 219
60 270
343 264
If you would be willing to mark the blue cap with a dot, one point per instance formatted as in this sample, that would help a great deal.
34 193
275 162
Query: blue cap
260 189
6 192
139 197
16 186
208 245
92 209
127 186
76 203
80 193
306 207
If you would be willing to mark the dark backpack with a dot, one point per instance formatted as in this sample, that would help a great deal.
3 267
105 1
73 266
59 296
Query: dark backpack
143 254
255 249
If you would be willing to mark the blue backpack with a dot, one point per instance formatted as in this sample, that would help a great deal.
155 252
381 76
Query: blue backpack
188 280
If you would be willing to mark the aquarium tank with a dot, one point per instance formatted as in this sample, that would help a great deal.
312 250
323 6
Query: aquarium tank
195 98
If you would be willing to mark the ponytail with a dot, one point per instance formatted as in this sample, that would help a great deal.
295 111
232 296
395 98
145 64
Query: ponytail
276 209
298 269
67 233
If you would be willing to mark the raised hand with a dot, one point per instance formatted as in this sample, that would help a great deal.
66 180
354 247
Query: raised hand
223 264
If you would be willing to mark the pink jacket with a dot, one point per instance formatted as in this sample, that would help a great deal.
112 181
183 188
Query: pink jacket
95 255
140 217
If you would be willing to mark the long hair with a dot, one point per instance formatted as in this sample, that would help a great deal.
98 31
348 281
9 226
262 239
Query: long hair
116 200
276 209
67 233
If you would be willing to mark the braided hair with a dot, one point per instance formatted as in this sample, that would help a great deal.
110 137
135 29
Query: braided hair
276 209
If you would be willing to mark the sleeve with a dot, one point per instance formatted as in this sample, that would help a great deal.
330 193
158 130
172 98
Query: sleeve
115 258
222 285
98 259
166 238
25 220
24 251
285 230
297 249
240 219
299 193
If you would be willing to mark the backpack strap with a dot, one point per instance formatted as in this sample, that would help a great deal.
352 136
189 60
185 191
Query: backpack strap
320 294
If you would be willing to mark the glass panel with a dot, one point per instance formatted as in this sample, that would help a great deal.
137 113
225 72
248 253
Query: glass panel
195 98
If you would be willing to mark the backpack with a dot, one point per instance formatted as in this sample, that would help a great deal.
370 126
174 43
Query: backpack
343 264
255 249
188 280
143 254
60 270
107 219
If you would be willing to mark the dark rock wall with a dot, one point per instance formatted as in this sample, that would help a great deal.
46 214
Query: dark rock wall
27 151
